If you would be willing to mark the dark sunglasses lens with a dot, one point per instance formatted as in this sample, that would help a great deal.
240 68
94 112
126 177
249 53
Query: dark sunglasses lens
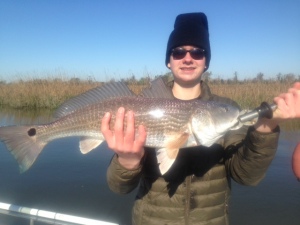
178 54
197 53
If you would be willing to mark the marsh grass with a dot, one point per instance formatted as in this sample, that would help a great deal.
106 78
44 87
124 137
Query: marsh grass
41 93
37 94
50 93
250 94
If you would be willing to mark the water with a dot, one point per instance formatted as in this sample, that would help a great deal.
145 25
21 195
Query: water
65 181
276 200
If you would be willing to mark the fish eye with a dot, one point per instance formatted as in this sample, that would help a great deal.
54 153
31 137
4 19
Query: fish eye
31 132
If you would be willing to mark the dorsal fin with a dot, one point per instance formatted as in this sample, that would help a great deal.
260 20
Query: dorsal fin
158 89
98 94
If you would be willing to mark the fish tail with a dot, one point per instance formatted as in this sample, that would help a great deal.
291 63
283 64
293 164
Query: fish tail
23 144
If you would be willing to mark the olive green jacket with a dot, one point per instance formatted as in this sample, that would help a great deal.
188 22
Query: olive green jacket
196 189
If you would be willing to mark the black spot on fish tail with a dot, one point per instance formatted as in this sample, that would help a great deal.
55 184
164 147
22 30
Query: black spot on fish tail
23 144
31 132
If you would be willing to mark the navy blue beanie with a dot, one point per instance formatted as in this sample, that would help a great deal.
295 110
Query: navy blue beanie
190 29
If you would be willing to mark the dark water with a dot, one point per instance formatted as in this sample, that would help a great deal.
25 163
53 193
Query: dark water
65 181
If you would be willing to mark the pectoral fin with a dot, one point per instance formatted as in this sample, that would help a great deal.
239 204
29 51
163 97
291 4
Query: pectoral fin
87 144
167 155
163 159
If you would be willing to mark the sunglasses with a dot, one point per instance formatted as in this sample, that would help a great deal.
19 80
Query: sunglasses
180 53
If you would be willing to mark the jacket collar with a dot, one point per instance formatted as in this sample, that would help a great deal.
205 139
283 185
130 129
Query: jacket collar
205 90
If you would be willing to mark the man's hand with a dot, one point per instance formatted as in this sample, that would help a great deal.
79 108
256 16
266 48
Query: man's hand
288 107
125 143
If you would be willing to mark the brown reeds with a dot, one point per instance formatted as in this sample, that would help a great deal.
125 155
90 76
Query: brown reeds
50 93
41 93
250 94
37 94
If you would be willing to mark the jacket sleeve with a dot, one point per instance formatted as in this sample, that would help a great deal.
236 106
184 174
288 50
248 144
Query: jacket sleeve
119 179
249 154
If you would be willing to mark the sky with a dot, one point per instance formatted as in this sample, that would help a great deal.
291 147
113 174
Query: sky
116 39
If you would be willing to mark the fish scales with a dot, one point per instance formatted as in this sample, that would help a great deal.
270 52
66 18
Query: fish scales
160 117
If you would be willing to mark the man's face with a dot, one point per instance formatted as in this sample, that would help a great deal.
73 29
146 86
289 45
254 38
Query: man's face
187 67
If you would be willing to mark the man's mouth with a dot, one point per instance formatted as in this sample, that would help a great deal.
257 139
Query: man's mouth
187 69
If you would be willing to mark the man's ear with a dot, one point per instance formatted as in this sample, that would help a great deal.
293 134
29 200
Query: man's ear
168 65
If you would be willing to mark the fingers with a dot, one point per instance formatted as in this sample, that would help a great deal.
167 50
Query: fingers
123 137
295 91
282 111
141 135
288 104
125 132
119 128
296 85
105 130
129 135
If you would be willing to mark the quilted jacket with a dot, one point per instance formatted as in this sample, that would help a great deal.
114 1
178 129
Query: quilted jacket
196 189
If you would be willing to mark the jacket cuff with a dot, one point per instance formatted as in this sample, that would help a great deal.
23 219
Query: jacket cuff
121 180
122 171
264 139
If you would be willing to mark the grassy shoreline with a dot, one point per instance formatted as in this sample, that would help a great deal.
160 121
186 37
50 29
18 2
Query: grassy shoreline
48 94
41 93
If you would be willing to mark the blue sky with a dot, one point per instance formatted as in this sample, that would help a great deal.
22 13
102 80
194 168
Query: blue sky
118 39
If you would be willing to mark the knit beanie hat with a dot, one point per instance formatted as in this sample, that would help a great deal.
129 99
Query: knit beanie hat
190 29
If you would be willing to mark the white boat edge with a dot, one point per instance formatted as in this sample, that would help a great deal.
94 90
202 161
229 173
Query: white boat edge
36 214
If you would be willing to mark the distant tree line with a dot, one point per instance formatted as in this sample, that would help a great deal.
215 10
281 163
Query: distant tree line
207 77
282 78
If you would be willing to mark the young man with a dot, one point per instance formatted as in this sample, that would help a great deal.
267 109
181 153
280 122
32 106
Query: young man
197 187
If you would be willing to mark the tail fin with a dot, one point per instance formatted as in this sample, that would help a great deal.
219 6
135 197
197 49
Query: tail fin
22 142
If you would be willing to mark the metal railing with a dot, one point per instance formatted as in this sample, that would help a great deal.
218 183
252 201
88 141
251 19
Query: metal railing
46 216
